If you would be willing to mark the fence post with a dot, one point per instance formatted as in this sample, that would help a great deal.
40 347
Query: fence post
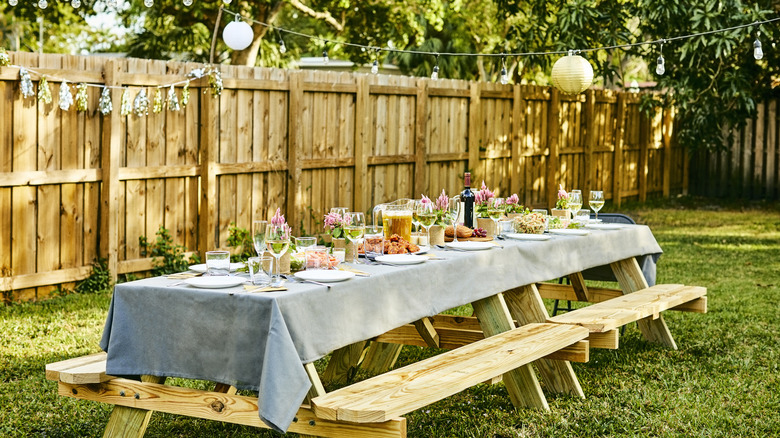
617 168
667 162
518 137
553 160
644 138
474 132
294 147
420 147
109 196
209 142
590 142
362 129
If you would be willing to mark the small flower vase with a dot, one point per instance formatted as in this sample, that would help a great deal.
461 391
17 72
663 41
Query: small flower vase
437 235
339 243
561 213
488 225
284 262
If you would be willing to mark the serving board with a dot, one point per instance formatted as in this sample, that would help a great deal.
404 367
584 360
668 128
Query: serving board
469 239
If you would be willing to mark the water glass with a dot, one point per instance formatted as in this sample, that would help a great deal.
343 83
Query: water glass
583 216
373 244
260 270
317 258
218 262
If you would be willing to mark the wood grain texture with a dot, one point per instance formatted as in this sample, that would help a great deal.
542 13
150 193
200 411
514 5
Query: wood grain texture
414 386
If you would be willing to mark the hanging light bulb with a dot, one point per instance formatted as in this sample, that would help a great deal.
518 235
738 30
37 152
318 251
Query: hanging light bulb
660 68
111 3
757 52
148 3
435 74
43 4
504 75
238 35
325 59
13 2
187 2
375 65
282 47
227 2
76 4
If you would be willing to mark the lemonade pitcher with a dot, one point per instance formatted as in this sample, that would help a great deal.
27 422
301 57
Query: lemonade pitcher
395 218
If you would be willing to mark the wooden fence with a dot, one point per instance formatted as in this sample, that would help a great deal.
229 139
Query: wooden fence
78 185
749 168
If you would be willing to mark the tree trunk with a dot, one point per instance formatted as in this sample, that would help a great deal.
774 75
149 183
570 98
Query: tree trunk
248 56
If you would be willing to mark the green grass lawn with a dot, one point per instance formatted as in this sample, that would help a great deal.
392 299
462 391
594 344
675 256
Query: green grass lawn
723 381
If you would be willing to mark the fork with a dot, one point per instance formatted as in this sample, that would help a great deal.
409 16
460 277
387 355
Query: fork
301 280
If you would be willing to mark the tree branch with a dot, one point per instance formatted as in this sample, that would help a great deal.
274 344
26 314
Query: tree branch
318 15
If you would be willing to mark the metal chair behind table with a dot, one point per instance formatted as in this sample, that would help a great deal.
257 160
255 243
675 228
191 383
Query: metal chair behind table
608 218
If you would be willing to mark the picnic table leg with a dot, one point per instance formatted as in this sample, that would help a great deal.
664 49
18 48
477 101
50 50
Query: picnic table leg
130 422
526 306
344 362
631 279
380 357
521 383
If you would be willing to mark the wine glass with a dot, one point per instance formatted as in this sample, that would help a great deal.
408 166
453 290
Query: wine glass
426 215
258 236
596 201
496 208
355 231
415 222
575 202
340 210
452 214
277 240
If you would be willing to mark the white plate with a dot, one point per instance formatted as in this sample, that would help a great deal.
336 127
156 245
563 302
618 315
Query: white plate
423 250
325 275
604 226
471 246
524 236
571 232
401 259
216 282
202 267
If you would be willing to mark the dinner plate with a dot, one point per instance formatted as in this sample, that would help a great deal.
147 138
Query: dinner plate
471 245
325 275
604 226
570 232
203 268
423 250
526 236
401 259
215 282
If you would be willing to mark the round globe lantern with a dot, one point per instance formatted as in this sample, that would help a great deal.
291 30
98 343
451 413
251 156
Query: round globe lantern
238 35
572 74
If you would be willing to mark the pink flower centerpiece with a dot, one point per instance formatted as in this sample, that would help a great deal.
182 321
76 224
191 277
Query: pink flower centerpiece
513 205
279 225
335 223
481 198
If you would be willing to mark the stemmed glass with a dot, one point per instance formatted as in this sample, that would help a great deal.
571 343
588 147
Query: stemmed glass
575 202
596 201
258 236
415 222
496 208
452 214
277 240
426 215
355 231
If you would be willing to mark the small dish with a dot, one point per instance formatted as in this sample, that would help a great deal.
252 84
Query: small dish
526 236
471 245
215 282
325 276
401 259
202 268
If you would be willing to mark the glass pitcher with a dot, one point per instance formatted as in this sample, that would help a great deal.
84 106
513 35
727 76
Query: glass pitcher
395 218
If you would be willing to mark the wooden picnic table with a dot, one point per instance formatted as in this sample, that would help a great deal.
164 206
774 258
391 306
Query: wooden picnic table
363 317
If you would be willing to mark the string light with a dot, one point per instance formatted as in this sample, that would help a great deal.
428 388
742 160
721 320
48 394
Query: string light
757 52
660 68
504 75
43 4
12 2
325 59
435 74
187 2
282 47
76 4
375 65
148 3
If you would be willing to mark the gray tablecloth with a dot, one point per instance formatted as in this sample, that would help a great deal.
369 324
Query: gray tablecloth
260 341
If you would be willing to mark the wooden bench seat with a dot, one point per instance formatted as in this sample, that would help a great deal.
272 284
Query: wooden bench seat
646 303
406 389
79 370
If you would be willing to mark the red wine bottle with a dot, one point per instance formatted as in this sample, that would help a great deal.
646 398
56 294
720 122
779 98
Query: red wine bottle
467 196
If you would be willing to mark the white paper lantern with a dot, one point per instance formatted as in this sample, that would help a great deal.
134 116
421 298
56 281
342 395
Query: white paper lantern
572 74
238 35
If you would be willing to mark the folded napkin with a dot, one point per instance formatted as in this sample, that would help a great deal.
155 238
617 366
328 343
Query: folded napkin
354 271
183 275
251 288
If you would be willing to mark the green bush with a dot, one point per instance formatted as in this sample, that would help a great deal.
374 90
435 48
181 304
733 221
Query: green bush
168 256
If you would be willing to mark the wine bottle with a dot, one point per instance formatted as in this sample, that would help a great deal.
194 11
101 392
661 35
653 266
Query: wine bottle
467 196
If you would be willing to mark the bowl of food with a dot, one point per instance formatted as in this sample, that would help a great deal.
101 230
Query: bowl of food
531 223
